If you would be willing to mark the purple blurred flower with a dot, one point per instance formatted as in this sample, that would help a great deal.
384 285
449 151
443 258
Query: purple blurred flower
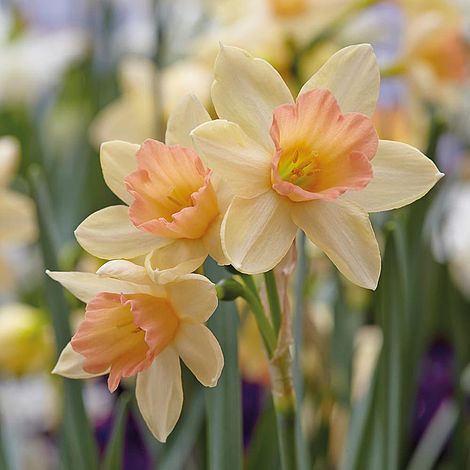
252 404
435 385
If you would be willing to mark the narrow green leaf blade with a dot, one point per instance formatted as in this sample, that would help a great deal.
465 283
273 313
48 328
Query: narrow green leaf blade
224 425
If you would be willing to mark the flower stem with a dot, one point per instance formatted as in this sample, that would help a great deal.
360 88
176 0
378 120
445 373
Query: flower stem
252 298
285 408
273 299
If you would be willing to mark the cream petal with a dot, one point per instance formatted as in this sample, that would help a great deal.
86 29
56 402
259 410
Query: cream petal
117 161
86 286
17 218
213 242
9 156
240 161
402 174
70 365
159 393
344 232
258 232
246 90
109 233
124 270
189 114
353 76
182 256
200 351
193 297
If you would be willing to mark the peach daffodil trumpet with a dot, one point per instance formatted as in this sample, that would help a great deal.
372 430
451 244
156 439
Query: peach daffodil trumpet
174 204
134 326
315 163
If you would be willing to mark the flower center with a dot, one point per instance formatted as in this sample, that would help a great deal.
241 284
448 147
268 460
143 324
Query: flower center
173 194
123 333
320 152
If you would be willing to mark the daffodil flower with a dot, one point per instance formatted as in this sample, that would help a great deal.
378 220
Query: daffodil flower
315 163
135 326
175 208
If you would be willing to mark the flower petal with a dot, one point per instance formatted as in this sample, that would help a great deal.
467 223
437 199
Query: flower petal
189 114
240 161
86 286
246 91
17 218
124 270
183 256
258 232
159 393
118 159
213 243
201 352
344 232
109 233
352 75
193 297
70 365
402 174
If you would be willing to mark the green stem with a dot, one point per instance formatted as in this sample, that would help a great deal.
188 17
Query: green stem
285 408
273 299
252 298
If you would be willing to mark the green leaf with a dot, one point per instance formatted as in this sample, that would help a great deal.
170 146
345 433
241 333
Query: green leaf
264 450
79 449
113 458
223 402
299 294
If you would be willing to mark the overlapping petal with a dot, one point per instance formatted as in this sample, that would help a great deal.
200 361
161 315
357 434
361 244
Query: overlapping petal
353 76
246 90
189 114
344 232
109 233
258 232
201 352
159 393
86 286
238 159
193 297
402 174
118 159
70 365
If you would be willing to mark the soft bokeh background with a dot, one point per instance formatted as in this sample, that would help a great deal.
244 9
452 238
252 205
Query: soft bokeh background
383 378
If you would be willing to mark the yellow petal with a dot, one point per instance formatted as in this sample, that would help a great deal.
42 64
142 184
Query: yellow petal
240 161
201 352
17 218
402 174
352 75
189 114
109 233
70 365
344 232
246 91
9 155
258 232
159 393
182 256
193 297
86 286
118 159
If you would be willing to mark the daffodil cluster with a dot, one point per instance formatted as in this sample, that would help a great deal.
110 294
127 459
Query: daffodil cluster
237 189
